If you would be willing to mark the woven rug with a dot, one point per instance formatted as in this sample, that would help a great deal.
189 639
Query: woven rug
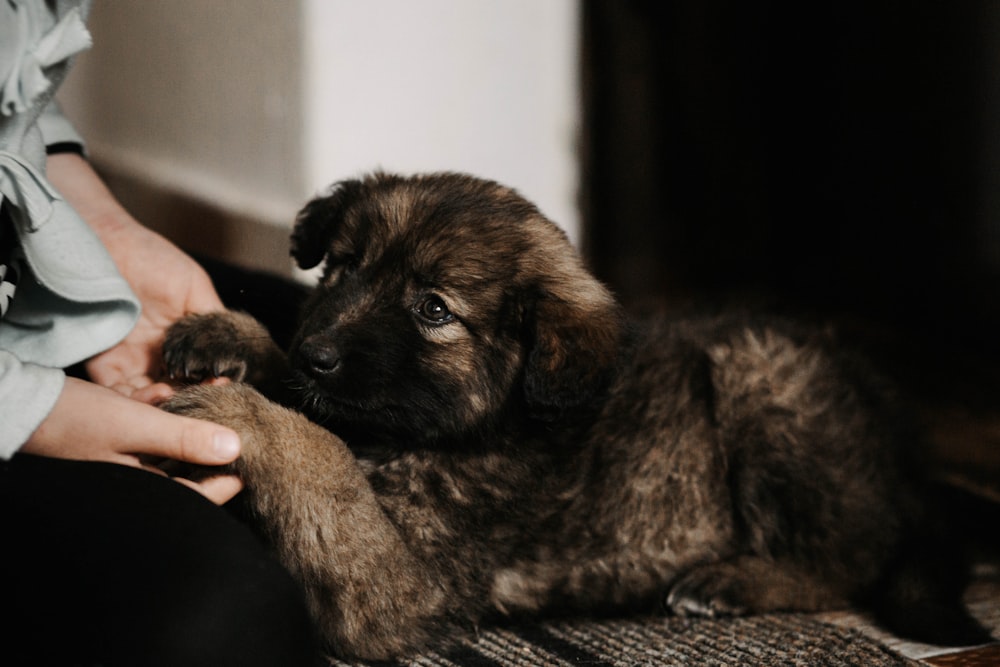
775 639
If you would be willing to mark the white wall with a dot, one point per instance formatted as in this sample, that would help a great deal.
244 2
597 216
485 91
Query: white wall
203 96
484 86
256 105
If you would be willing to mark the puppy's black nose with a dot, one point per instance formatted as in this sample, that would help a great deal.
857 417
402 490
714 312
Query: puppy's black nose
318 358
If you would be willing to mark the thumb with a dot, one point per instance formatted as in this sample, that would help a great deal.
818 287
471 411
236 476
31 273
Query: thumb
202 297
185 439
94 422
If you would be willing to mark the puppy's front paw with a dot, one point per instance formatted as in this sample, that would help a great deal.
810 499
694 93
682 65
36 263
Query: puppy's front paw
204 346
263 426
233 405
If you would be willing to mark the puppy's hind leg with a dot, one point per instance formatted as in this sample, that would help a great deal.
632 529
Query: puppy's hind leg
748 584
804 542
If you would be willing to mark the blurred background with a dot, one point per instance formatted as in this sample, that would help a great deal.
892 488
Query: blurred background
837 160
216 120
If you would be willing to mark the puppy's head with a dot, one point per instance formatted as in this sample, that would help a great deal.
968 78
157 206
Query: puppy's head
446 303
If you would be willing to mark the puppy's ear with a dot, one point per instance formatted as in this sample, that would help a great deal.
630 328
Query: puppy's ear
577 336
319 220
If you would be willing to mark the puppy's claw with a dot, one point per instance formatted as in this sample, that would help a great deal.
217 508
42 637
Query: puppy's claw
681 605
699 593
201 347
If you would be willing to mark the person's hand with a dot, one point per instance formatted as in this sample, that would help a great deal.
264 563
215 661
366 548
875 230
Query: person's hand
94 423
168 283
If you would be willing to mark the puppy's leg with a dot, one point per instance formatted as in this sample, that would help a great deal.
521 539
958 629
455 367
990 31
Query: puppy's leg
224 344
746 585
370 595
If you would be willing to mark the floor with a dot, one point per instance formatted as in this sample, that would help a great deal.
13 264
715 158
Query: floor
983 600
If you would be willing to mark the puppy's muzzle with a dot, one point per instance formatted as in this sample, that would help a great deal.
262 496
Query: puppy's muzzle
318 357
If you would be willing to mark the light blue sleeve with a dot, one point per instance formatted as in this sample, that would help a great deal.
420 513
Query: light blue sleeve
55 128
28 393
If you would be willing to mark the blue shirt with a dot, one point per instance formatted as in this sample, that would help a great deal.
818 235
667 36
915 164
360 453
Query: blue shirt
70 302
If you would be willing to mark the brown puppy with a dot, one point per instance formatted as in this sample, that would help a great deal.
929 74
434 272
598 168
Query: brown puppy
496 439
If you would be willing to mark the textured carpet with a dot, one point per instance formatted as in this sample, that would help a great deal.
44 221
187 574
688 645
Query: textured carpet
775 639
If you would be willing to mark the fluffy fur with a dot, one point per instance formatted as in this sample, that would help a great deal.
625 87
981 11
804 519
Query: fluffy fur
490 436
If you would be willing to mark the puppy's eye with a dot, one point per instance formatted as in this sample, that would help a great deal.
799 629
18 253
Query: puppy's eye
349 264
434 311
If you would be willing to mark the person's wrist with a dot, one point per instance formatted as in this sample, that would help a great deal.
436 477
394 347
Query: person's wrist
80 185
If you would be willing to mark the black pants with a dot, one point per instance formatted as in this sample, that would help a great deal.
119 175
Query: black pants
102 564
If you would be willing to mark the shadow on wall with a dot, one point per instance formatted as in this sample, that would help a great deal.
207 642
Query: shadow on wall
201 227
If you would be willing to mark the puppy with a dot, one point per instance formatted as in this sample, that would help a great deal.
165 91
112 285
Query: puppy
467 427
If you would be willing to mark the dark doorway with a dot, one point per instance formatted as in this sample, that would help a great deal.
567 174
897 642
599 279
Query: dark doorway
836 159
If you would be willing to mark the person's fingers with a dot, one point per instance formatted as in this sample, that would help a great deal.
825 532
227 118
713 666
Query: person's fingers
123 388
143 389
121 365
204 301
135 428
153 394
202 297
193 440
104 371
219 489
90 422
140 381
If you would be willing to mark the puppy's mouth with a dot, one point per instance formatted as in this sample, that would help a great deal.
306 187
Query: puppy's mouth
323 405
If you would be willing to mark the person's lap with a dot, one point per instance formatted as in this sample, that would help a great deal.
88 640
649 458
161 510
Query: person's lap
105 564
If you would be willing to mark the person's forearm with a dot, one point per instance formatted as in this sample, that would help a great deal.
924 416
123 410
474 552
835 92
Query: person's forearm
142 255
83 189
